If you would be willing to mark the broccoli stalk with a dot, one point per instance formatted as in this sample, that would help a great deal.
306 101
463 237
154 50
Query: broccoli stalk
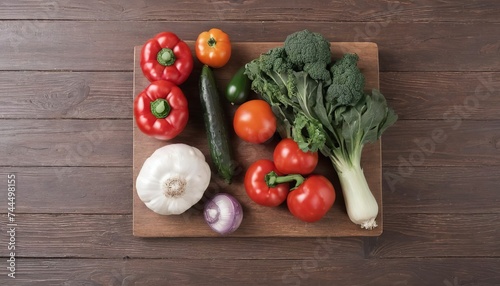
323 107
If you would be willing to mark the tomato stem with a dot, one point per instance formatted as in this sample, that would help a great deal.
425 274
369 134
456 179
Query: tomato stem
160 108
272 179
212 42
165 57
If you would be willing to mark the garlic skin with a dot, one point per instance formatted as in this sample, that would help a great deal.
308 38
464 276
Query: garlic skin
173 179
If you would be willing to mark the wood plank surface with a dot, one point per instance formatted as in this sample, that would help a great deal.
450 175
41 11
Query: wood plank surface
55 95
256 222
308 271
103 142
66 76
419 192
451 142
471 189
257 10
402 46
439 235
88 95
443 95
82 190
66 142
110 236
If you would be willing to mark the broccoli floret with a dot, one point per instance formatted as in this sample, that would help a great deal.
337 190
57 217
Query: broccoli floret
274 60
310 52
267 60
318 71
348 82
271 65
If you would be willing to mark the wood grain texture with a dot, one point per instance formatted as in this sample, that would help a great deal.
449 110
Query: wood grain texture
452 142
161 272
66 65
420 192
402 46
441 189
256 222
106 142
439 235
82 190
105 190
66 142
110 236
442 95
83 95
257 10
88 95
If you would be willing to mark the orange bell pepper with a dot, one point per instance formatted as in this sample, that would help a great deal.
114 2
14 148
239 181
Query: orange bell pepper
213 48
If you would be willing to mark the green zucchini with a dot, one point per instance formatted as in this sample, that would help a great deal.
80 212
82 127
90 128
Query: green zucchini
215 125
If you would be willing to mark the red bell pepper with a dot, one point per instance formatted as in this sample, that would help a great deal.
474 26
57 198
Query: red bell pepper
166 57
161 110
260 189
309 200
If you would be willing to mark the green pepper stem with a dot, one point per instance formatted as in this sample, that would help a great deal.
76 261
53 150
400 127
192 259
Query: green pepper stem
165 57
272 179
212 42
160 108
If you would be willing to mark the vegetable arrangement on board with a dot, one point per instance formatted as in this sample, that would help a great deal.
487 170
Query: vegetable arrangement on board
161 109
315 104
309 199
175 176
323 107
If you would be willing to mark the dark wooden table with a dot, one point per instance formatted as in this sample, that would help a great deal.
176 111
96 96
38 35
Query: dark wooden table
66 133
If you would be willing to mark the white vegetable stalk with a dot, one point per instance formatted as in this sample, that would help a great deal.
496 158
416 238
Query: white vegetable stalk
361 205
173 179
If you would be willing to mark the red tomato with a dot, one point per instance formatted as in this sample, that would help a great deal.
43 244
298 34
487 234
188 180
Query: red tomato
289 159
257 188
312 199
254 121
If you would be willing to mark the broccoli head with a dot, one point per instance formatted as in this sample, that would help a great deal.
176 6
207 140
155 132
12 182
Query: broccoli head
307 47
310 52
348 83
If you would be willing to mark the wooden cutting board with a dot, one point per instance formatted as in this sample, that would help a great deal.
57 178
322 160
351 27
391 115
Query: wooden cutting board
258 221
